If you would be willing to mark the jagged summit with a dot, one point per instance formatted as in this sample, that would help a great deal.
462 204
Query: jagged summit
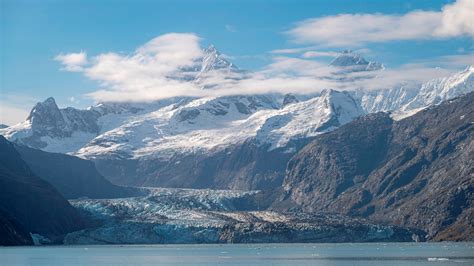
289 99
214 63
45 112
214 60
48 103
211 62
355 62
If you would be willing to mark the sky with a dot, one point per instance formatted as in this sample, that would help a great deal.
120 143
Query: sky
82 52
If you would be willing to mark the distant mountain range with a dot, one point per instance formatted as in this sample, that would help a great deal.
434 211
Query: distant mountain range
400 155
142 144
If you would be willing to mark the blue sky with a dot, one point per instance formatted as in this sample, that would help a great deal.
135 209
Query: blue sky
34 33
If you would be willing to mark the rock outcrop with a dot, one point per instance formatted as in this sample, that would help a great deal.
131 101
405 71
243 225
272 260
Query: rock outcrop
416 172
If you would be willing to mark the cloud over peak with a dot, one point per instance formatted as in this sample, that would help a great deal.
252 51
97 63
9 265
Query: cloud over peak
173 64
143 75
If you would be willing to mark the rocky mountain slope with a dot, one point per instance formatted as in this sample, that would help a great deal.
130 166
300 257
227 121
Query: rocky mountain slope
249 152
416 172
71 176
30 204
12 233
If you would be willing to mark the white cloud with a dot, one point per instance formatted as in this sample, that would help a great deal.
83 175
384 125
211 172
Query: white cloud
159 68
449 61
293 50
357 29
146 74
409 74
73 62
458 19
291 66
312 54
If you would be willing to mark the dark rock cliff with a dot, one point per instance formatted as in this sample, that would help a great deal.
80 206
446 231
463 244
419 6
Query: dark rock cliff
30 204
244 166
416 172
71 176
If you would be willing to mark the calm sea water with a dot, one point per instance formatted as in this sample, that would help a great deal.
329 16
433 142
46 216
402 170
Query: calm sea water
245 254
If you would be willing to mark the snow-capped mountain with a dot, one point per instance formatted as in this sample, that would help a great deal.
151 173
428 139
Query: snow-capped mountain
214 60
209 124
307 118
185 125
201 124
210 65
384 100
407 99
441 89
354 62
47 123
213 67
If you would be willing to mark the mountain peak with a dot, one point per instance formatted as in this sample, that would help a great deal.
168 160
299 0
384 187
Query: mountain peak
354 61
211 49
49 101
348 58
46 105
46 111
213 59
289 99
328 92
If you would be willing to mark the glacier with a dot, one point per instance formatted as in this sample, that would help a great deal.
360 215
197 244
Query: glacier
167 215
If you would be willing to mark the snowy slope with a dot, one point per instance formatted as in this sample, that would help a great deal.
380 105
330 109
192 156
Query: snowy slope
211 123
305 119
407 99
201 124
384 100
438 90
67 130
163 128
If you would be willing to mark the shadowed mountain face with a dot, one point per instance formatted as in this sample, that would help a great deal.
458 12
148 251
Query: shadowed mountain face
12 233
416 172
245 166
71 176
30 204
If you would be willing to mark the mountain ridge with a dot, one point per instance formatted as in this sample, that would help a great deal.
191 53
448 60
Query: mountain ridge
133 135
414 172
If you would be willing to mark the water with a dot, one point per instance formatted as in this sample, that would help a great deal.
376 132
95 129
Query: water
245 254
